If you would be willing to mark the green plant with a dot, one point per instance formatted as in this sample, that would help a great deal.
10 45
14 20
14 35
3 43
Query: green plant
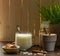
51 13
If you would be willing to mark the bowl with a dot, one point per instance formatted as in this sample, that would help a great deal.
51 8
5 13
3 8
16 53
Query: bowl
11 50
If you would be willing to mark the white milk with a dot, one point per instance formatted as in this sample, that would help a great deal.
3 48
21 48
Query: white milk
23 40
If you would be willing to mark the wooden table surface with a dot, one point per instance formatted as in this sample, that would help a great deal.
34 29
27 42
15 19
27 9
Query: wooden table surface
2 53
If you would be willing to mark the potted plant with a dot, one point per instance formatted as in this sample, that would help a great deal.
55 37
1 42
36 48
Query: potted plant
52 14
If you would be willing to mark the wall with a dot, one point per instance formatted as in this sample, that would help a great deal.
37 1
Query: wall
18 12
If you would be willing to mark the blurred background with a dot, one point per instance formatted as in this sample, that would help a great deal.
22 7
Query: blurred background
23 13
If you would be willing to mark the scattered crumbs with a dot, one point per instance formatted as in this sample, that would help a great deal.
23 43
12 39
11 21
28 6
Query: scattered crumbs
40 53
29 53
35 54
25 52
57 53
44 55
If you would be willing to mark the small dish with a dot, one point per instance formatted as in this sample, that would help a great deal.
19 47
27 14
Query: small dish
11 50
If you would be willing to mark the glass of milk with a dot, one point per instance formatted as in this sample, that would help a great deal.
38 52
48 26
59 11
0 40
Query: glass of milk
24 40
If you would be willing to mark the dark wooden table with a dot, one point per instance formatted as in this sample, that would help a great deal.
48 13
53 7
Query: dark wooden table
2 53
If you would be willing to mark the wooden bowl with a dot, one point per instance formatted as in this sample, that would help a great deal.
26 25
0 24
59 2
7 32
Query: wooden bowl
11 50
